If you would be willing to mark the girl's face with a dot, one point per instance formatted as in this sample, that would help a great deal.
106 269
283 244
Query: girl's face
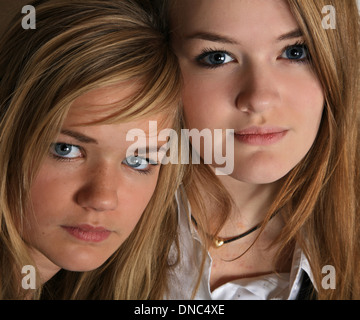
88 195
246 68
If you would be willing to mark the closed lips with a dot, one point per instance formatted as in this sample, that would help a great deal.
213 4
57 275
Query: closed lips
260 136
88 233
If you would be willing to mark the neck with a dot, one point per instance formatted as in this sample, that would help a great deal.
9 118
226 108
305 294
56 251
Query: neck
251 204
251 201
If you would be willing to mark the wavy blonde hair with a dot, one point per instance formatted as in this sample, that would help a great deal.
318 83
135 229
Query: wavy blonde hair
319 198
78 46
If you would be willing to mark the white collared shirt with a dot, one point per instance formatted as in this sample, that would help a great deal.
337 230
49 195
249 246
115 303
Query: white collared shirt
183 277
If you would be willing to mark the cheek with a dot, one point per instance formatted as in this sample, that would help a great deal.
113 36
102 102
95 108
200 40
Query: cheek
203 106
135 199
133 204
308 105
192 101
48 196
198 97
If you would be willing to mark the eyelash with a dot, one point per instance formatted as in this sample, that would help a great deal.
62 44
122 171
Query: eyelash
207 51
298 44
151 163
64 159
146 171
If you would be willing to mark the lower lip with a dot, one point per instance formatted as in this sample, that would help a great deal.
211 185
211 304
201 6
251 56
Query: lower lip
261 139
93 235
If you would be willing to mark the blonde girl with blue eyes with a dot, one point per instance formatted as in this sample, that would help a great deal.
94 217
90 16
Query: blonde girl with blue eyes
284 76
92 221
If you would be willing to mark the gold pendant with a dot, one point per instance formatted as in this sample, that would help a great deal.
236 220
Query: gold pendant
218 243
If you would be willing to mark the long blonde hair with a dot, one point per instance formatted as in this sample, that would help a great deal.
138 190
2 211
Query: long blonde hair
77 46
319 197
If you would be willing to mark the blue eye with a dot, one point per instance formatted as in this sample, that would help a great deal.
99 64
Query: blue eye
64 150
214 58
296 53
138 163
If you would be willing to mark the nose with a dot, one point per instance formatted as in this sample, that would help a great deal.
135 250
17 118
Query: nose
100 192
260 91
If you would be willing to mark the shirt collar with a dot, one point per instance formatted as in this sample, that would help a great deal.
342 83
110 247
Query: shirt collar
300 263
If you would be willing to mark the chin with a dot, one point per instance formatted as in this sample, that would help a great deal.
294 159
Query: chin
82 266
87 266
81 261
261 167
261 175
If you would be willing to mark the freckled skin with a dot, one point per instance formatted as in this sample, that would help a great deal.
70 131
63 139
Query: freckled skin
94 187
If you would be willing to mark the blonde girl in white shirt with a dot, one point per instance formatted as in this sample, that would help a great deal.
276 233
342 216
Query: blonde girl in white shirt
284 76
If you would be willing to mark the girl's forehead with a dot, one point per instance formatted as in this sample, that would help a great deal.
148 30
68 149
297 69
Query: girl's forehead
231 15
99 103
106 95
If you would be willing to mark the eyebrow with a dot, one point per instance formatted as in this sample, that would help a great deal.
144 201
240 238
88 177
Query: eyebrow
209 36
79 136
214 37
86 139
291 35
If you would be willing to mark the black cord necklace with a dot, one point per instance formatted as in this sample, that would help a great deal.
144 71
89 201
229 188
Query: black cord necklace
219 242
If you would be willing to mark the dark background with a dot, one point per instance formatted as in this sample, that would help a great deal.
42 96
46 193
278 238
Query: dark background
8 8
